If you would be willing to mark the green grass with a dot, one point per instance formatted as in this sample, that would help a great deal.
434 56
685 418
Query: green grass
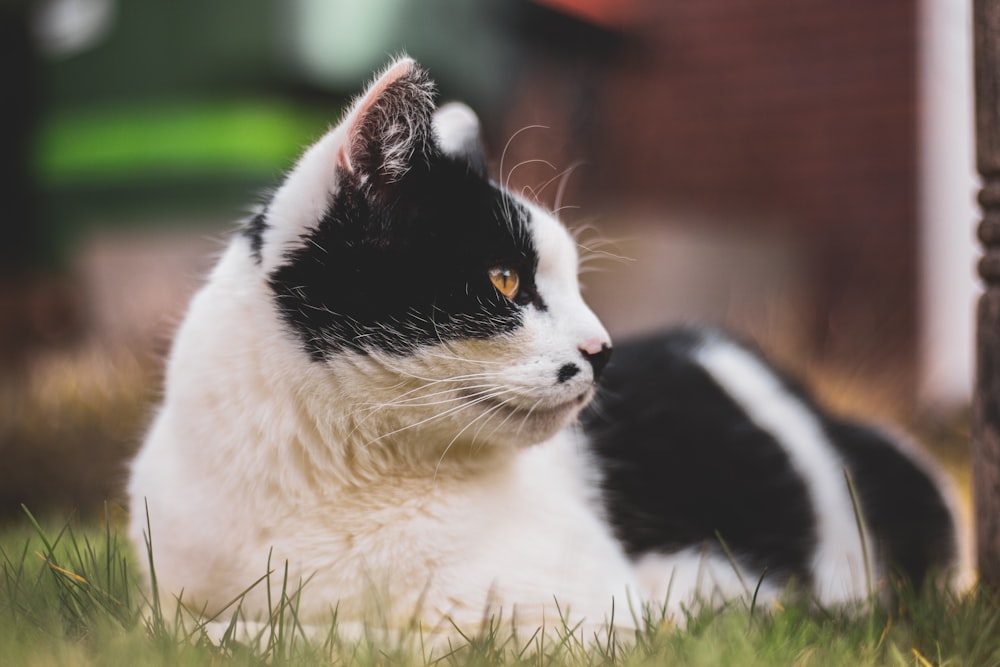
69 595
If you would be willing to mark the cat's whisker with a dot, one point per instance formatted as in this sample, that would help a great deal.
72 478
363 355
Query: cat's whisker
597 239
597 255
430 419
430 380
313 243
597 404
510 413
566 207
454 379
592 252
598 242
449 411
501 424
437 332
584 270
501 404
561 190
527 415
373 408
506 184
489 415
506 147
454 356
585 225
564 175
596 264
465 360
418 401
486 414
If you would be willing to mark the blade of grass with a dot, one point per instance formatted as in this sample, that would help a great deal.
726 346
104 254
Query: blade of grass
862 533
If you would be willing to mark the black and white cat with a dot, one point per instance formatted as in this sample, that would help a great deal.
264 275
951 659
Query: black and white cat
380 385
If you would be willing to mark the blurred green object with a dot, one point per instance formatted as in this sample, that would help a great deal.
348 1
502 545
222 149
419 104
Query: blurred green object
180 162
118 145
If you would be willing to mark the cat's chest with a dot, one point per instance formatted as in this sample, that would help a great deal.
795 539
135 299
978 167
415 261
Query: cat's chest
535 496
529 521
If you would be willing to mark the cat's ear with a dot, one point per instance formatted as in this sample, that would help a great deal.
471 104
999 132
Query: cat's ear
389 128
456 129
387 133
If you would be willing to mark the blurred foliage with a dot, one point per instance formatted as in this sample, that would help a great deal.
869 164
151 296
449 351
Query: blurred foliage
179 161
127 143
158 49
177 110
170 111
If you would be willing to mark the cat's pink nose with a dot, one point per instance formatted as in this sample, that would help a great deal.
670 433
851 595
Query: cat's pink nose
594 345
597 352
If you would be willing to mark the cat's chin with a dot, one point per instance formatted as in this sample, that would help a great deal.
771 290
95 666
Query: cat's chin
525 425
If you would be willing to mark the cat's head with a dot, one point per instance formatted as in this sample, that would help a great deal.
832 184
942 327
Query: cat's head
448 307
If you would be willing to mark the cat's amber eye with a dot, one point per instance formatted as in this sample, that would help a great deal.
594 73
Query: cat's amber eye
506 280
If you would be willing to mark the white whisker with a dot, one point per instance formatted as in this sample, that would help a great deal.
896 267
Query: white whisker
503 154
527 415
561 191
510 173
418 401
449 411
455 357
485 414
567 207
564 175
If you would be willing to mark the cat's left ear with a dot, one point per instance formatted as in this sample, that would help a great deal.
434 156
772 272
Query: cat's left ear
389 128
387 133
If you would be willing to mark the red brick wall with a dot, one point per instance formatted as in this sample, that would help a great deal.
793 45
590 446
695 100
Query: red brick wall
795 116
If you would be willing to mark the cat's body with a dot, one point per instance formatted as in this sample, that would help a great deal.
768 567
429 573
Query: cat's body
381 536
378 386
732 454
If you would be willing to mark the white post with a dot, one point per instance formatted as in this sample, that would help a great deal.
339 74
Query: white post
947 210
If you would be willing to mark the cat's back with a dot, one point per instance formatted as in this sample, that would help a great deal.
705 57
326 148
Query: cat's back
701 442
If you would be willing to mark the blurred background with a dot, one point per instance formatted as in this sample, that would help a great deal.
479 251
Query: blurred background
801 172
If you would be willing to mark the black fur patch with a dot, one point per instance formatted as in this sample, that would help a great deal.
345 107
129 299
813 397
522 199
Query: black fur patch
682 463
681 460
254 231
908 519
408 267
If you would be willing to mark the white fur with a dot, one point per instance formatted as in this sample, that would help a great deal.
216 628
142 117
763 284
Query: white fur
456 128
838 563
674 581
301 201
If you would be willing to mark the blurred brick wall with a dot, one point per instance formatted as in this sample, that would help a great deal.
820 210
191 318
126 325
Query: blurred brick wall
792 117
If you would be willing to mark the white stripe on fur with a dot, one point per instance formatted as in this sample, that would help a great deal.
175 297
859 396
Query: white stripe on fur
838 561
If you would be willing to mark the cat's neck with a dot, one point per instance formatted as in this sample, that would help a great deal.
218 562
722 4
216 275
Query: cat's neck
314 428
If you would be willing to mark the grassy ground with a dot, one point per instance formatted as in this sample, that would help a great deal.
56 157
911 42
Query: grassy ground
69 596
69 593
